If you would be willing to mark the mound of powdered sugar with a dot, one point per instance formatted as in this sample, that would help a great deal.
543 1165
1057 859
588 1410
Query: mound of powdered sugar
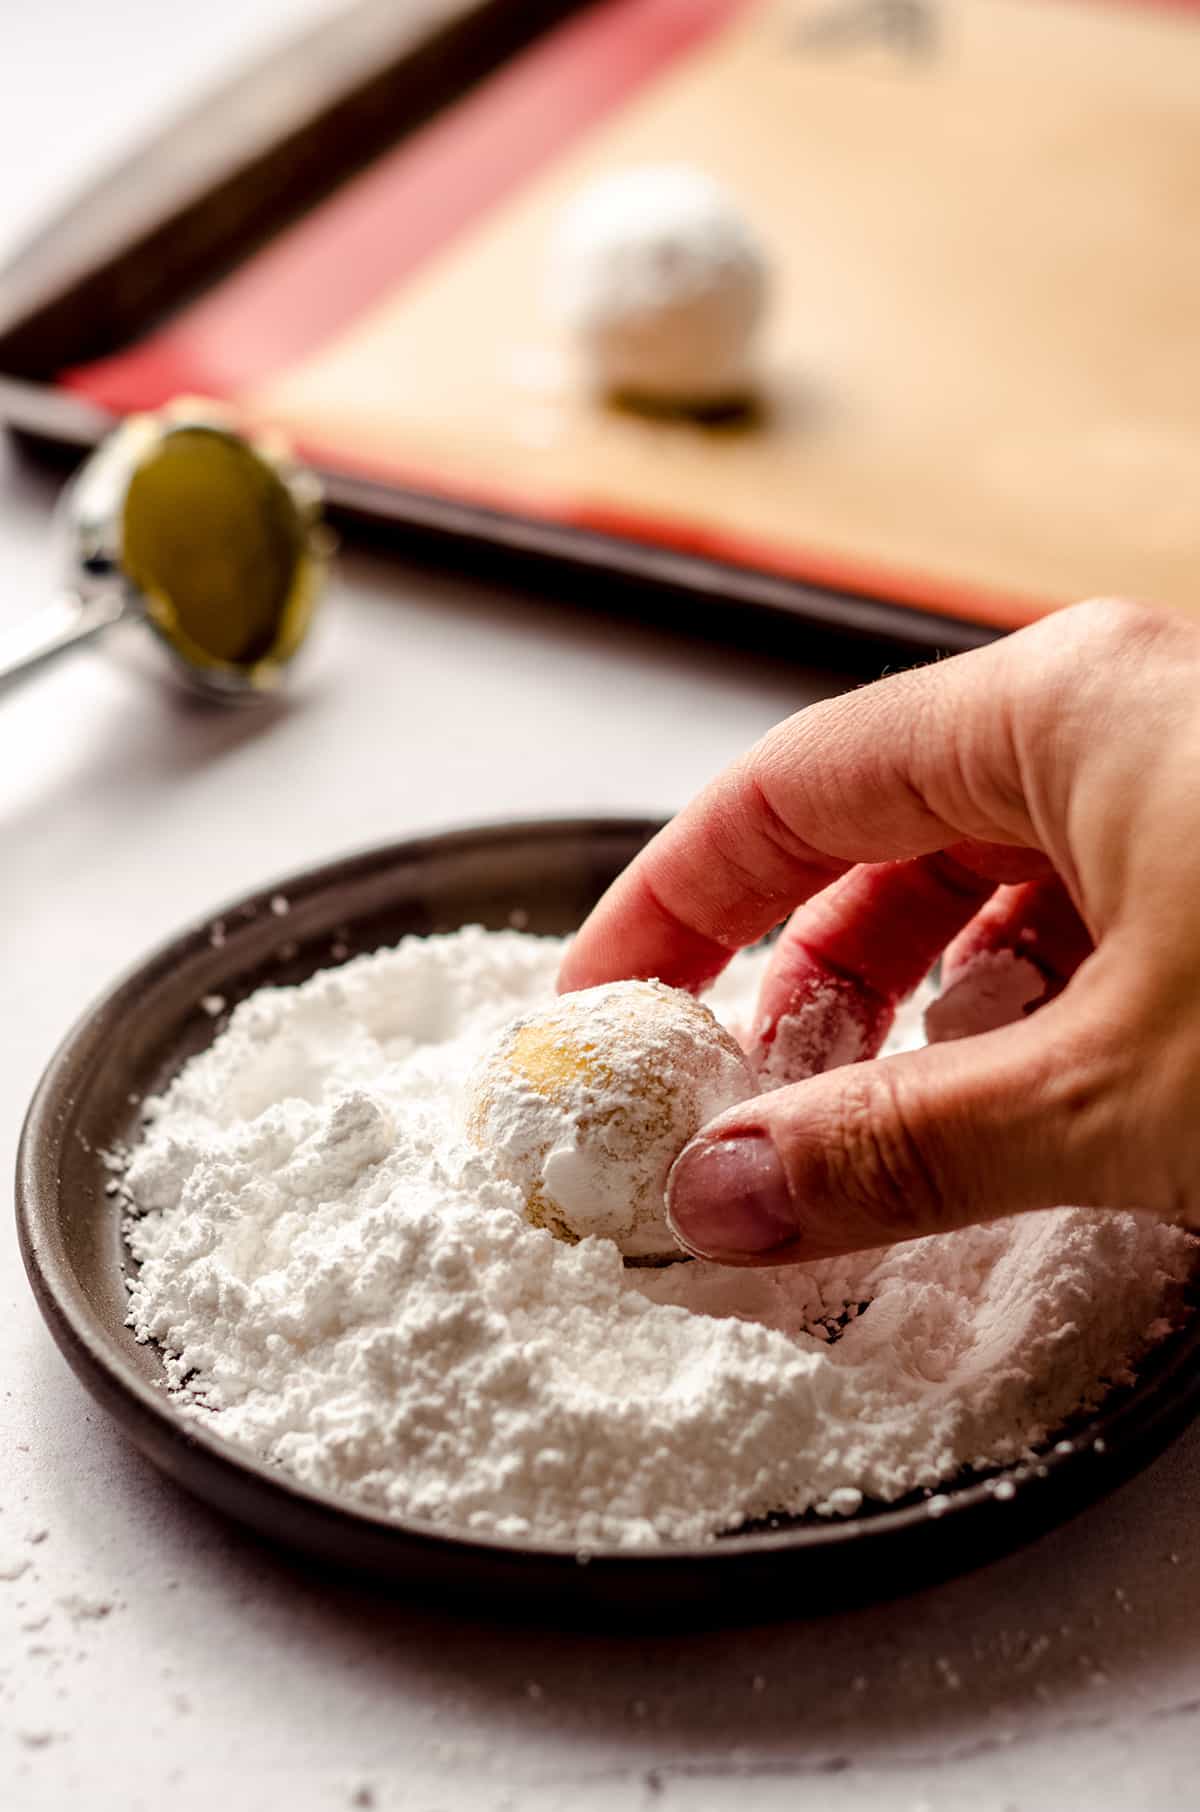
341 1283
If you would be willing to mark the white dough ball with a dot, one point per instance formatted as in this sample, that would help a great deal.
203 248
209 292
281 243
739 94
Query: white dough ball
585 1107
662 284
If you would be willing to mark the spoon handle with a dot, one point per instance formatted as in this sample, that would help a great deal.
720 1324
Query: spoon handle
50 631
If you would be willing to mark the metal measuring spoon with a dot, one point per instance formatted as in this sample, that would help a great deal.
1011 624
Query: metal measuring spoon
213 539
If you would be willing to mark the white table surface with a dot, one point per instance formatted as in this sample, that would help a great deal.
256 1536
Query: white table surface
151 1655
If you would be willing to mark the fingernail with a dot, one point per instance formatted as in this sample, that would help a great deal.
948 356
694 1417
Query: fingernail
729 1197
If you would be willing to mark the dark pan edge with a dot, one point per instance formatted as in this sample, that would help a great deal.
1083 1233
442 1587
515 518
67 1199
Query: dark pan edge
740 1577
690 593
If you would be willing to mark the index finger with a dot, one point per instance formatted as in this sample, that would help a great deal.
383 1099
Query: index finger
915 763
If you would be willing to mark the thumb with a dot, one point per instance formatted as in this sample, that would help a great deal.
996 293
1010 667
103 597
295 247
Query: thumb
1019 1118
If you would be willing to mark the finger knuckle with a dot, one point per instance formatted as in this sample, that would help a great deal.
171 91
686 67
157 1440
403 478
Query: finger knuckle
1109 629
880 1166
771 828
733 847
749 836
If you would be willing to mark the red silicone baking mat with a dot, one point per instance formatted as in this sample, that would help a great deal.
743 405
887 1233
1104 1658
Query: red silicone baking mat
980 389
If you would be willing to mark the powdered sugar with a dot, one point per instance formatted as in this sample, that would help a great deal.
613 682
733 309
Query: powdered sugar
994 989
340 1282
820 1035
662 283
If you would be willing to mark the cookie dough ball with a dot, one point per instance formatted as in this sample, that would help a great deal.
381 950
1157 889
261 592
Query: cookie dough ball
585 1107
661 283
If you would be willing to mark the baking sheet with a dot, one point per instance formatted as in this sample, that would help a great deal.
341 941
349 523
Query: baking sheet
980 389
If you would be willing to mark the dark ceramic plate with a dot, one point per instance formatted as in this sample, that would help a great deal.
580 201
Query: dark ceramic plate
131 1041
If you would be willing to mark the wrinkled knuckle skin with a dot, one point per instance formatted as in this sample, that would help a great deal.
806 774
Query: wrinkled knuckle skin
771 828
1110 629
758 876
877 1166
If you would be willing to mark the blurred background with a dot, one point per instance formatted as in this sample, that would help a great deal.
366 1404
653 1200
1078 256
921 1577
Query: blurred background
84 85
876 314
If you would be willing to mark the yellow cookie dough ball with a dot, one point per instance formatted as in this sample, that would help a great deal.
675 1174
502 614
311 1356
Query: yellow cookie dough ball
585 1107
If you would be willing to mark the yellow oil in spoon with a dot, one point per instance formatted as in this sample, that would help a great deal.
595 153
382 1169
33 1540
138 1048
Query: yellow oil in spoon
212 539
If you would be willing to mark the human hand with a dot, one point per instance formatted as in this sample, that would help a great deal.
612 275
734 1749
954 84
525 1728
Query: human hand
1040 796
